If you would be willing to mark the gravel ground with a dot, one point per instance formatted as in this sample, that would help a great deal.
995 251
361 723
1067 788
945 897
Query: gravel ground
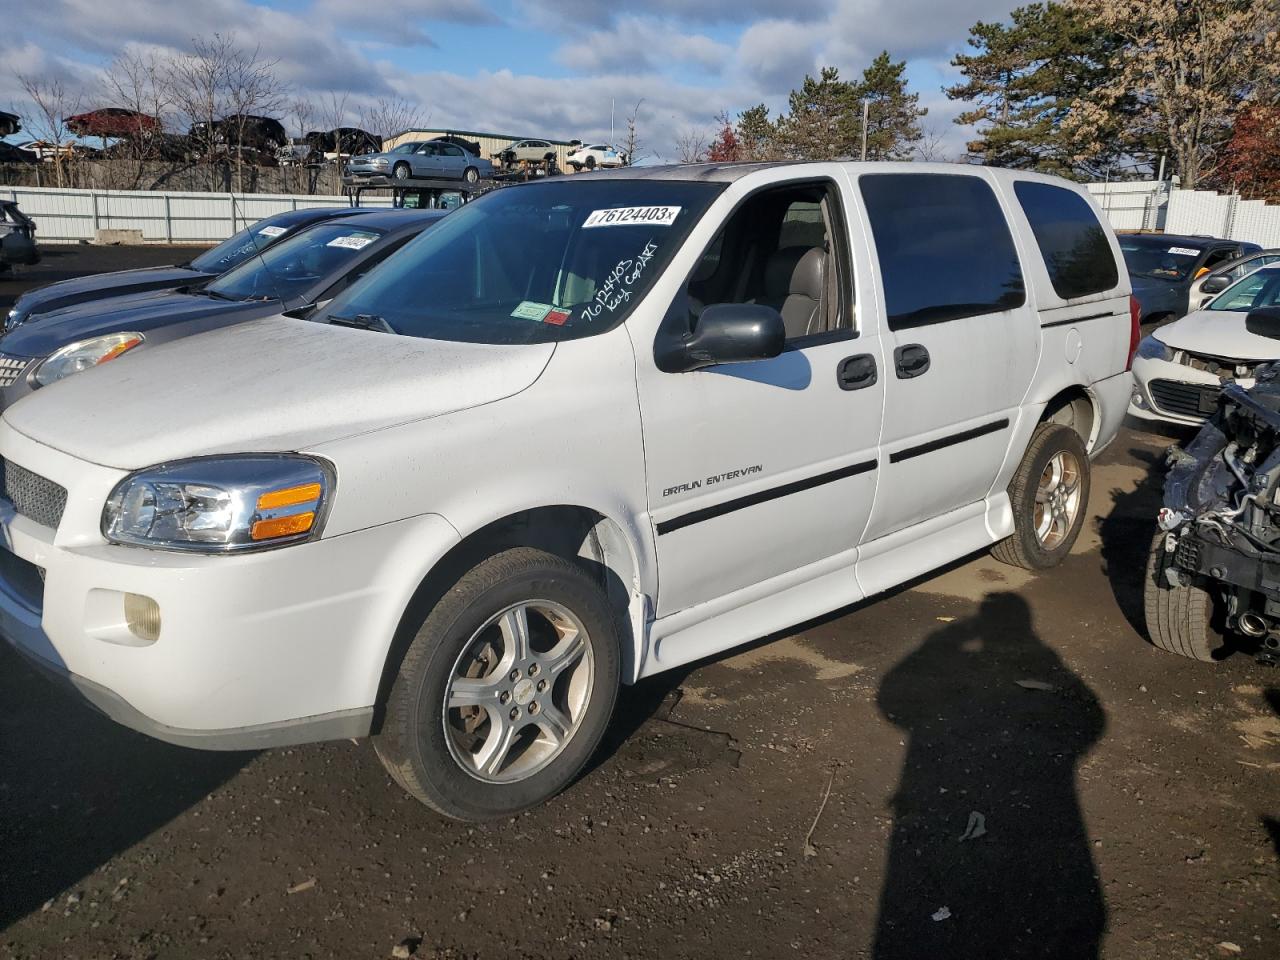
879 783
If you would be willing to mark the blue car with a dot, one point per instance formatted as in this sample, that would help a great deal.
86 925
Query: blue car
424 160
230 253
1163 267
295 275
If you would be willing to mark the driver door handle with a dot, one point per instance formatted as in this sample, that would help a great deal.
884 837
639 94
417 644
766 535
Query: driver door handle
911 360
854 373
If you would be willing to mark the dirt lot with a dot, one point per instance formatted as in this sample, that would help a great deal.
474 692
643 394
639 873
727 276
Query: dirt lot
1131 809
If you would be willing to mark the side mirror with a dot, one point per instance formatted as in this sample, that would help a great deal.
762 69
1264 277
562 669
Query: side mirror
1264 322
728 333
1215 284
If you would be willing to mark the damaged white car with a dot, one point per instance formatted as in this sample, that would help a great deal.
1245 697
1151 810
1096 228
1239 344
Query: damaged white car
1181 368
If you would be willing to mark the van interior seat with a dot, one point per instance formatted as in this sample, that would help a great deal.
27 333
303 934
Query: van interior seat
795 283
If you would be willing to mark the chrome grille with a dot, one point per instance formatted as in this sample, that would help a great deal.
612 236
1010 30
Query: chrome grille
11 369
33 496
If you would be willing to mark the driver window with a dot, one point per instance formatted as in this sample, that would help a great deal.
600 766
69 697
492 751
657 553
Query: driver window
777 249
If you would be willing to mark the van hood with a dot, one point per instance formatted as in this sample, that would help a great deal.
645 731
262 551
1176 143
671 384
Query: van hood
1218 333
271 385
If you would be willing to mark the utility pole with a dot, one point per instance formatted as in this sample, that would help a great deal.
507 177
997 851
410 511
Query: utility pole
613 105
866 115
1160 175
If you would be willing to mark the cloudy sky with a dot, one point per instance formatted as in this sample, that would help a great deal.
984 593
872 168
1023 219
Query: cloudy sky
525 67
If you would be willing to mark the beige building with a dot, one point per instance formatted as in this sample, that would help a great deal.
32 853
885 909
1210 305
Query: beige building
490 143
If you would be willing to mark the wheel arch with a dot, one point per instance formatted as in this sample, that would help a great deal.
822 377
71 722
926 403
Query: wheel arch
595 541
1074 406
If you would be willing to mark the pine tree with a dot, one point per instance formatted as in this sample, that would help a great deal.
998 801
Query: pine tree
757 135
893 114
822 121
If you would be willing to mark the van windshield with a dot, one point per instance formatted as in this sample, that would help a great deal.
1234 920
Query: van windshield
531 264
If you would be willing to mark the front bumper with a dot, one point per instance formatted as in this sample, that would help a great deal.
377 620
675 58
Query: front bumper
278 647
1173 393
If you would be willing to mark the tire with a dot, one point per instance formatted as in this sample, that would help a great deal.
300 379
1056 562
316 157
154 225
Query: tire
400 171
438 753
471 175
1058 451
1179 618
591 163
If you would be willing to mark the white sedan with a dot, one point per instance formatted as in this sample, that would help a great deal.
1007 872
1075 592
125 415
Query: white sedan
597 155
1179 370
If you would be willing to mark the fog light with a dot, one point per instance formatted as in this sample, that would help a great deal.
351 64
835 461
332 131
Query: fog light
142 614
1138 400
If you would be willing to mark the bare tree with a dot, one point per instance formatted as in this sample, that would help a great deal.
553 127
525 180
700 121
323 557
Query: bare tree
334 113
631 139
52 102
198 82
392 115
691 146
930 147
253 90
138 82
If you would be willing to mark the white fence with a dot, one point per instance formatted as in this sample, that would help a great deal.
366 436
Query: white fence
70 215
1132 204
1203 211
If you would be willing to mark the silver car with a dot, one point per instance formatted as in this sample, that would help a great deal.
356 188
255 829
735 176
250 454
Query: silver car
430 159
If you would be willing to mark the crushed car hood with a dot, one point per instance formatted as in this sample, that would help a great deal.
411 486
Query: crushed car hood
276 384
66 293
1218 333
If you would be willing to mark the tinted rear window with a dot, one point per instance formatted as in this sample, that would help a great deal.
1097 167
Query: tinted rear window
1074 245
945 250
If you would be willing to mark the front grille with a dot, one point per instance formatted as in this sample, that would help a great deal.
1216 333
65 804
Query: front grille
1184 399
33 496
11 369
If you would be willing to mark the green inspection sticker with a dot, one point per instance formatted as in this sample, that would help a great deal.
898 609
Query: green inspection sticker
528 310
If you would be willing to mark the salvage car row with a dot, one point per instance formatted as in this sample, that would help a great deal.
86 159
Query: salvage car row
448 481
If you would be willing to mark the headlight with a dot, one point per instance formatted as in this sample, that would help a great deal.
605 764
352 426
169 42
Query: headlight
380 161
220 504
1152 349
82 355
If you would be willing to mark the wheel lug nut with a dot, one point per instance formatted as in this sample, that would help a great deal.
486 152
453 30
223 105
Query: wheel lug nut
533 669
515 713
515 675
542 686
533 707
503 697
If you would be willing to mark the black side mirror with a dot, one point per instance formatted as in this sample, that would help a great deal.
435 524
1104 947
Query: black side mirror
1264 322
1215 284
727 333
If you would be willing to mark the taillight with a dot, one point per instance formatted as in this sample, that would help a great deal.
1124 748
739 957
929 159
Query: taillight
1135 329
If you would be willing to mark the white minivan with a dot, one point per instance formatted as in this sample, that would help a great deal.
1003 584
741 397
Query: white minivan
583 431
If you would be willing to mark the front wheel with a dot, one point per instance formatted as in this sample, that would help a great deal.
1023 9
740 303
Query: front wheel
506 690
1179 608
591 163
1049 495
400 171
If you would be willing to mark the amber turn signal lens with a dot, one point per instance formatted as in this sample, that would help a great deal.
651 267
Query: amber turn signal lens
290 496
282 526
118 349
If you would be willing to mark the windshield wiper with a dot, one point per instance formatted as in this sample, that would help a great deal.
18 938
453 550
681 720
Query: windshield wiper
363 321
214 294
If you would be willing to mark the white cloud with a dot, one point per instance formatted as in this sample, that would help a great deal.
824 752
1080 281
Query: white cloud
776 54
634 44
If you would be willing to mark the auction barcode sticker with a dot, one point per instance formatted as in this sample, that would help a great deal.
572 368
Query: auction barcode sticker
626 216
354 241
271 231
1184 251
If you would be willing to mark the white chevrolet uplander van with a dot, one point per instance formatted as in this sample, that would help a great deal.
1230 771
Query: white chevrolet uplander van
583 431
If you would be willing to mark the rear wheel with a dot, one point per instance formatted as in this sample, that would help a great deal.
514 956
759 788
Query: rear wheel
1049 494
506 689
591 163
471 175
1179 612
400 171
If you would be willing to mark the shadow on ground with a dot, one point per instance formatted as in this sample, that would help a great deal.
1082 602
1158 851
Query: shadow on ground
76 789
988 753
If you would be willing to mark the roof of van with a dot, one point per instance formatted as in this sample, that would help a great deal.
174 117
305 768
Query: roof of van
729 172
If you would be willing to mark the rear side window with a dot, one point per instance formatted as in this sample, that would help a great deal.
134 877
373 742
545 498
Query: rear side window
944 247
1074 245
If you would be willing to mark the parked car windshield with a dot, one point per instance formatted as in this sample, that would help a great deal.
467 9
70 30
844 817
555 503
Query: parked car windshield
239 247
1259 289
1159 261
288 268
532 264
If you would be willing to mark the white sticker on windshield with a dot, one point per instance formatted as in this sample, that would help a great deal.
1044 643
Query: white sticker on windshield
626 216
354 241
272 231
1185 251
